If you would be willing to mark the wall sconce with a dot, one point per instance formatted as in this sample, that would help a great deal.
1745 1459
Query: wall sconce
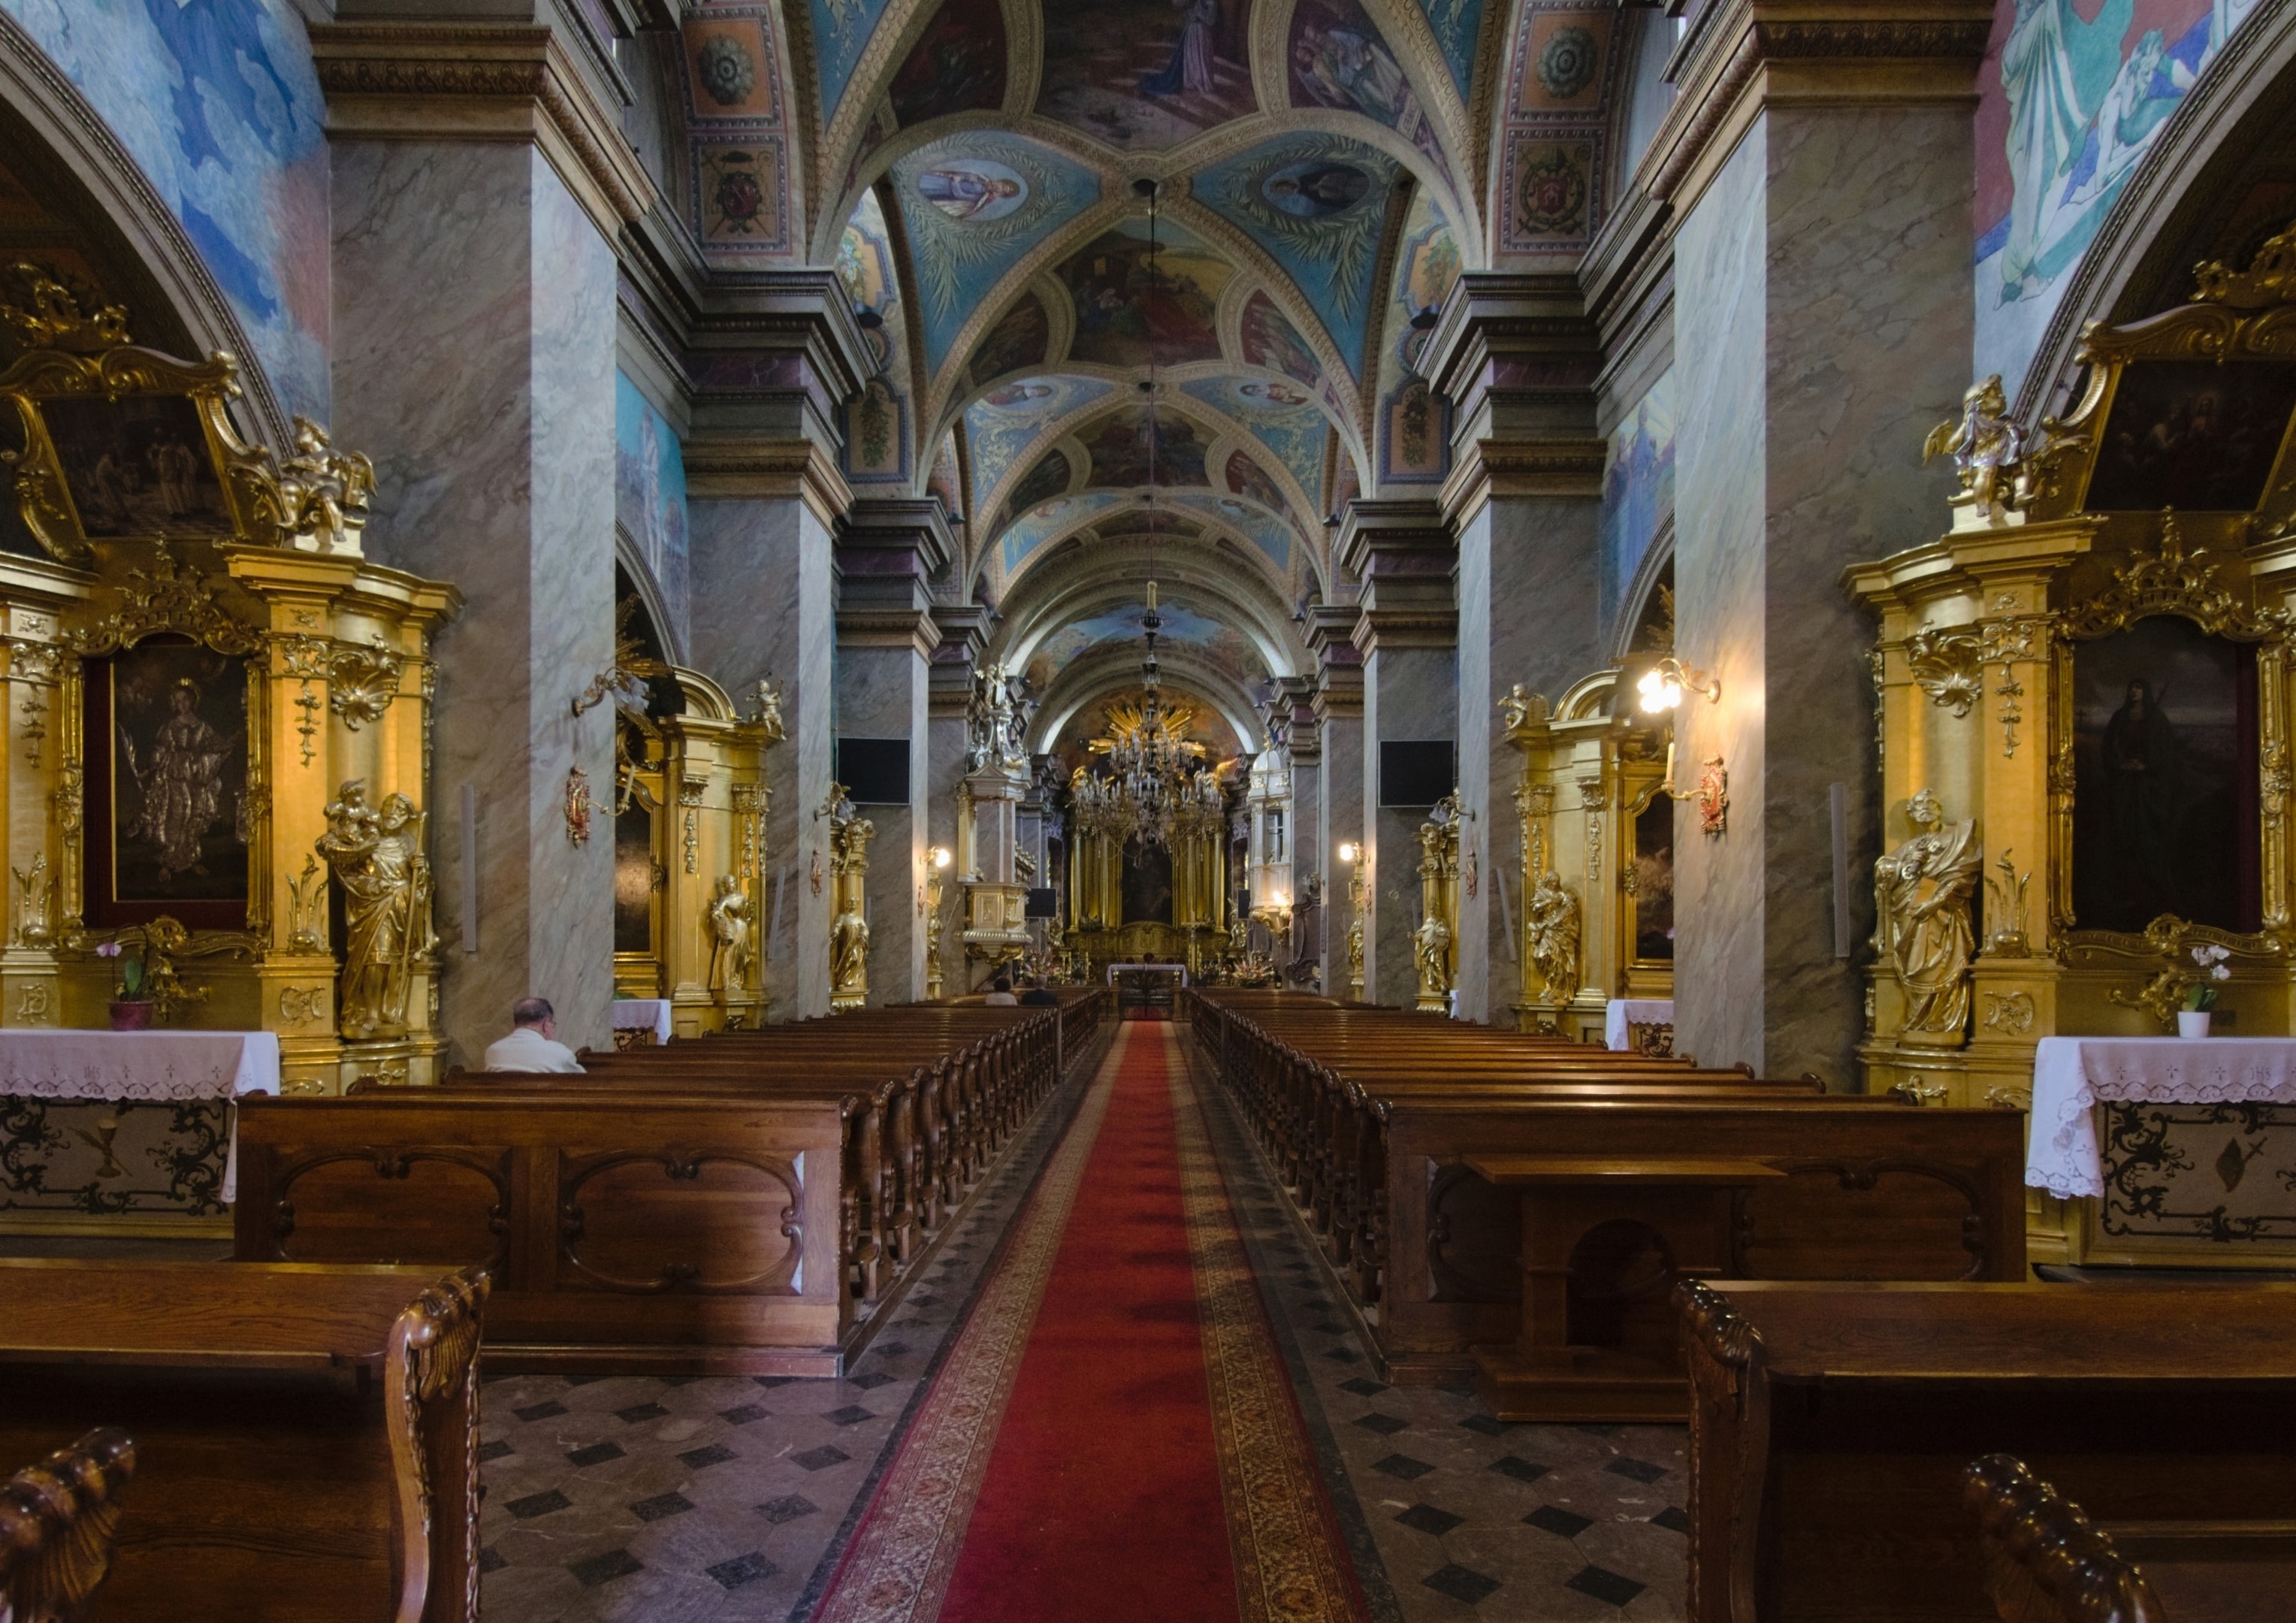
1663 685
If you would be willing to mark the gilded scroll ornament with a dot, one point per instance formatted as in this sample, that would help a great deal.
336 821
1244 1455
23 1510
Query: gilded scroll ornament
1922 893
375 854
300 1005
35 890
306 910
361 682
2011 1013
2005 905
2169 579
1550 916
1944 663
728 919
168 597
45 312
1988 455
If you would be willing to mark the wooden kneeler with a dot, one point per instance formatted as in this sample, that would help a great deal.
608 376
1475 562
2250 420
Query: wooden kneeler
1687 1202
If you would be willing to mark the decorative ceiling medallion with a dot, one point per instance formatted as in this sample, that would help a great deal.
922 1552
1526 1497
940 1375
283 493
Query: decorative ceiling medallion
1566 66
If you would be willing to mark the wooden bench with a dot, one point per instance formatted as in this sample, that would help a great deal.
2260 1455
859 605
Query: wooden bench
57 1523
305 1438
1833 1424
738 1204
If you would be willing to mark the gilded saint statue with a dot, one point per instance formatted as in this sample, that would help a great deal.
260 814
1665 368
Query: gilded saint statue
729 935
181 775
1550 919
1922 892
1431 950
376 854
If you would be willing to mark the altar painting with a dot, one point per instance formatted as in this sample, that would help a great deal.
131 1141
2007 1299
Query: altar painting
1653 882
2165 784
2193 435
1147 883
174 797
137 465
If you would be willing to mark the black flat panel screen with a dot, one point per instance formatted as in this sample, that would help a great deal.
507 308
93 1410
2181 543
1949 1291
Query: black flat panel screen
875 771
1044 902
1417 772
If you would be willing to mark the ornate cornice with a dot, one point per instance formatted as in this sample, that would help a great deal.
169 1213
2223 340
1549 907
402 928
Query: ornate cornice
474 82
1753 53
732 467
1505 468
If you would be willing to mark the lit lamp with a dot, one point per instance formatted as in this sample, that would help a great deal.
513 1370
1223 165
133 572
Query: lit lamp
941 858
1661 689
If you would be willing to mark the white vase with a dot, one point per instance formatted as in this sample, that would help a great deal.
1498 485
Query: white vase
2191 1022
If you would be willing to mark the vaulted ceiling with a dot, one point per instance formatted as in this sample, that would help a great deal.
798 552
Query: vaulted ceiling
1075 369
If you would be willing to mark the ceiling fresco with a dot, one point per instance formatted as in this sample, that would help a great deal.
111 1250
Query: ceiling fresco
1183 255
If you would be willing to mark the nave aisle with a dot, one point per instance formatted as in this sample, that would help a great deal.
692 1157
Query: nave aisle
1098 1478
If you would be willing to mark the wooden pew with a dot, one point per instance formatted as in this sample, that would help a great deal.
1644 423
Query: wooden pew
306 1438
58 1519
1832 1424
736 1204
1375 1117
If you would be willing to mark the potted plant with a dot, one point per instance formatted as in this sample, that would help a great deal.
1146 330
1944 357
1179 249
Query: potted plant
2193 1019
131 1011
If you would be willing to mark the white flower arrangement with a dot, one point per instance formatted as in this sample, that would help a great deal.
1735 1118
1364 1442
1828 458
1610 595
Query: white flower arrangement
2210 963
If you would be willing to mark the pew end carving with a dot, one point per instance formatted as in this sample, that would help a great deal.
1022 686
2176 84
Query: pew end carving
59 1520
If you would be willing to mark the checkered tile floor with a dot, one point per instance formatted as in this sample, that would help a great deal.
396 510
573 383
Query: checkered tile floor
712 1500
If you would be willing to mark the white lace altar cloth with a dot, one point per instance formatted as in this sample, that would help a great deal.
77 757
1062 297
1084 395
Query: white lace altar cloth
642 1014
1621 1013
2070 1074
143 1065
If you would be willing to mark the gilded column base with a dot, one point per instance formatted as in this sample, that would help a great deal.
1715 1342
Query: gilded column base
31 991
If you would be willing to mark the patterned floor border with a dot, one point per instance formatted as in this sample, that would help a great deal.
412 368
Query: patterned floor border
898 1567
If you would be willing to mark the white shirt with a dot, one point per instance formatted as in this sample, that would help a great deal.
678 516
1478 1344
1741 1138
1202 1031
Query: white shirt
1001 1000
527 1049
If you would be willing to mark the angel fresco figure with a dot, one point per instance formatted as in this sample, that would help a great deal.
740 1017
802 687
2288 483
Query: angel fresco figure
1922 892
181 777
376 854
1986 449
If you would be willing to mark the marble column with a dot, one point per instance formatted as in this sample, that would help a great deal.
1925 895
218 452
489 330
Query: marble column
765 610
1338 705
1303 830
886 635
1517 358
1823 322
474 323
1406 628
963 632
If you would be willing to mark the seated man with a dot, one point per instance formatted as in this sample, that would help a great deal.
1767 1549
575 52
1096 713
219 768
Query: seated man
1035 994
1000 994
533 1042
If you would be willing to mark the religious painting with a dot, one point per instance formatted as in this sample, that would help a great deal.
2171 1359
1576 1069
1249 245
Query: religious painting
649 490
137 465
1563 62
171 787
1637 490
2165 798
1048 479
874 439
1553 191
1339 59
2191 435
956 65
1136 308
1018 339
741 195
1137 447
1415 441
1315 188
1147 883
1653 880
1146 77
973 188
1271 341
730 67
1246 476
636 881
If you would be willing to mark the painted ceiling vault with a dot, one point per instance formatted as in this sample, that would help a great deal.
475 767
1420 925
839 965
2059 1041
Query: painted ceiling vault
1149 271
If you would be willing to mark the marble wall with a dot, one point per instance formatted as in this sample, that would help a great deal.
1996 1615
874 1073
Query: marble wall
882 693
764 607
1339 810
475 357
220 108
1820 321
1527 574
1409 693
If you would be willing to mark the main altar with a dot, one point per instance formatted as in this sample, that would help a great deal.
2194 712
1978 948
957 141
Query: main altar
2083 721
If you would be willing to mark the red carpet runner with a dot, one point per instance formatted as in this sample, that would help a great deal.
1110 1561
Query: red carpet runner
1113 1436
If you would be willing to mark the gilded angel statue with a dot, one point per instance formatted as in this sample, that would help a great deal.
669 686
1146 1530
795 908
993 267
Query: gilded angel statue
1988 450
